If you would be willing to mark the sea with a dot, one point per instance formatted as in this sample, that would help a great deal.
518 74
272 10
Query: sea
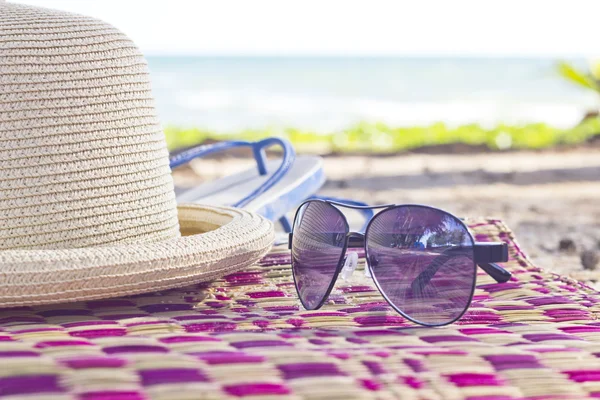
324 94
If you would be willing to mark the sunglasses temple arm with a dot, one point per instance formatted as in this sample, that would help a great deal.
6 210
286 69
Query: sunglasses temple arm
487 254
494 270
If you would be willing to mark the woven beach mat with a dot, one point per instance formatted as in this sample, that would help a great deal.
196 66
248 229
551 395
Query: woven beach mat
246 336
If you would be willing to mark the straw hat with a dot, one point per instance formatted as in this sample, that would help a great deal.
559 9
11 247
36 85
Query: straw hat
87 206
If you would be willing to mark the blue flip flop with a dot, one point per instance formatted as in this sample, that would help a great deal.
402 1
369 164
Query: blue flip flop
273 189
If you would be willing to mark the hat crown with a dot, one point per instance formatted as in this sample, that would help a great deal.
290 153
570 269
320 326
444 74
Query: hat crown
83 159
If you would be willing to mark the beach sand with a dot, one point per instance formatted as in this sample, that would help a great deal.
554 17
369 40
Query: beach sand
545 196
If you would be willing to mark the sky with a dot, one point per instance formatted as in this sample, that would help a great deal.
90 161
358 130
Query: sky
548 28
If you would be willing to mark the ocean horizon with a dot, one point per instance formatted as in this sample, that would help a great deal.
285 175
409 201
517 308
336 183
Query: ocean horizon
324 94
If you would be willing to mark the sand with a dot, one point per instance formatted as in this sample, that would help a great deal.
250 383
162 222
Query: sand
543 196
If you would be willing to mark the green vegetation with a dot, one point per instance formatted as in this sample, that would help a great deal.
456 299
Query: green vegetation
589 80
380 138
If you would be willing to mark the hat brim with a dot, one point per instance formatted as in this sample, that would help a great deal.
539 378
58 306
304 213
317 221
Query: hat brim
215 241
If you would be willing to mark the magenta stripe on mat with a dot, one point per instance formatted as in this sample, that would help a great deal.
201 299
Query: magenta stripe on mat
553 300
99 333
229 357
374 367
18 353
94 362
380 320
416 365
269 294
580 329
61 343
172 375
370 384
319 342
256 389
541 337
448 338
112 395
27 384
412 382
244 279
584 375
303 370
472 379
88 323
189 339
261 343
135 349
211 327
512 361
482 331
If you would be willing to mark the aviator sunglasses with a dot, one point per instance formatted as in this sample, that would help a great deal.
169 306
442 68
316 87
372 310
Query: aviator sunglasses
423 260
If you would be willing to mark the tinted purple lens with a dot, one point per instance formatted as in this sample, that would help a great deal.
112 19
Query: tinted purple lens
422 260
317 246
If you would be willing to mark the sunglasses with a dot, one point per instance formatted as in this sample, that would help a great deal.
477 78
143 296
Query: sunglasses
423 260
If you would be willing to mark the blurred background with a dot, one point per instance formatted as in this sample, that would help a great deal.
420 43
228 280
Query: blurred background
482 108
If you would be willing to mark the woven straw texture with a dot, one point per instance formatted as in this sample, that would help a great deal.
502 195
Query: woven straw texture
83 159
536 337
87 205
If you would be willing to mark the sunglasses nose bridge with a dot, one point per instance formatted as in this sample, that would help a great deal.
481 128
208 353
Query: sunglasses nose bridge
355 239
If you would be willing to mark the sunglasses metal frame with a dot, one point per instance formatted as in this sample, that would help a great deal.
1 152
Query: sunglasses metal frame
486 255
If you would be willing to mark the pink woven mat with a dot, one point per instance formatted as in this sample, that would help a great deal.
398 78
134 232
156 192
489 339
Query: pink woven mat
246 335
